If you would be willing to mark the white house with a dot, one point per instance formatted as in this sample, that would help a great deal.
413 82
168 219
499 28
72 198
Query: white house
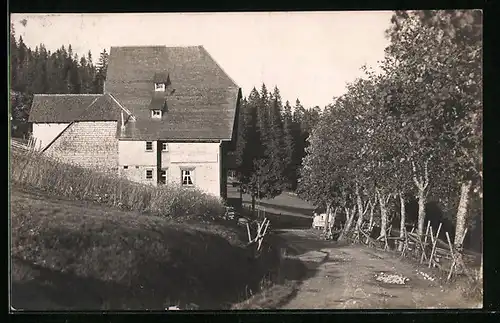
167 114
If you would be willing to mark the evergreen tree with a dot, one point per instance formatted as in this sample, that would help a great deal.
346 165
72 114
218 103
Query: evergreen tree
40 71
277 145
250 148
289 146
23 60
263 113
102 68
13 58
298 137
241 140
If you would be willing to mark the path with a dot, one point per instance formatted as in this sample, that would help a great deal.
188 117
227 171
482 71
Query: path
343 277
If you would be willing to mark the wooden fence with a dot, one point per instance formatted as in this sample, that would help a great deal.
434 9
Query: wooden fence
427 249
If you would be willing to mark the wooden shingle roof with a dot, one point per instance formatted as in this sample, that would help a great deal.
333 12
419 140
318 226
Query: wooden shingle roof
54 108
203 105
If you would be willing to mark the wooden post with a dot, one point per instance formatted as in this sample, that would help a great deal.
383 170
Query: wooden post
431 258
452 256
262 236
463 238
425 243
405 245
249 235
431 234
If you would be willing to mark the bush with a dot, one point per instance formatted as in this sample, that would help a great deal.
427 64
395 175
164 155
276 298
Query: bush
62 179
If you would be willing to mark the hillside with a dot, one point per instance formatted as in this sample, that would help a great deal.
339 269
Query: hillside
79 255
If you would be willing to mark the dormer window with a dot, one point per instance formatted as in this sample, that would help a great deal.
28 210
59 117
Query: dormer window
156 114
159 87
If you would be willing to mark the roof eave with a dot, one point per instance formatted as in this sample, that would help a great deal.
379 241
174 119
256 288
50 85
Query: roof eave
185 140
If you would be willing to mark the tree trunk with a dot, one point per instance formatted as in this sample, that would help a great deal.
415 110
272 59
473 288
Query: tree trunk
334 216
462 212
327 219
402 226
351 218
253 202
421 211
360 211
421 182
383 215
372 210
370 223
348 223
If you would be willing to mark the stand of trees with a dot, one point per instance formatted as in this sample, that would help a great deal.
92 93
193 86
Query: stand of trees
414 130
42 71
271 142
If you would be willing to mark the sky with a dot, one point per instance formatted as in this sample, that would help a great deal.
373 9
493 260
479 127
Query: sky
308 55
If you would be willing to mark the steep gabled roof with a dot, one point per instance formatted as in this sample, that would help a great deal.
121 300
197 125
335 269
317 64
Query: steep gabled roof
52 108
59 107
203 105
103 109
162 77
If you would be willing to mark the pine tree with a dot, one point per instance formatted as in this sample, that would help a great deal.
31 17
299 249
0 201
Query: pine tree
276 152
289 146
14 57
241 140
23 61
262 155
100 76
86 81
40 71
263 113
298 137
87 72
250 148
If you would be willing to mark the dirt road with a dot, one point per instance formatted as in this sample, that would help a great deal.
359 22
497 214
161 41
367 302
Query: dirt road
344 277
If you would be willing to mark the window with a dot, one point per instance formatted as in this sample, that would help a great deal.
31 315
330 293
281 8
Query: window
149 146
149 174
187 177
160 87
136 167
125 167
156 114
163 176
164 146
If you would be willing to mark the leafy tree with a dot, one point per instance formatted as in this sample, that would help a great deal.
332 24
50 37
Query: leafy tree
324 176
439 65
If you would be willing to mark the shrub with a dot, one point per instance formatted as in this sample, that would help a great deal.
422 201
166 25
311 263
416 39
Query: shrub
35 170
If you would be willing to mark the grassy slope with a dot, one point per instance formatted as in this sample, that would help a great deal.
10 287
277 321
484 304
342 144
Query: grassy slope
78 255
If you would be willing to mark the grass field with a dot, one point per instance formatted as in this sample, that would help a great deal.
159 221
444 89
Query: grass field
286 203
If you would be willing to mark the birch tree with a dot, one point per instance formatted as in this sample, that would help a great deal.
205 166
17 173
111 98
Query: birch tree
439 59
